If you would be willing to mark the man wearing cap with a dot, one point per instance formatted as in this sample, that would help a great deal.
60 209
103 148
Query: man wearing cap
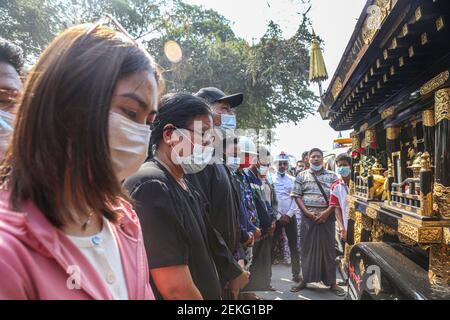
222 106
215 182
287 209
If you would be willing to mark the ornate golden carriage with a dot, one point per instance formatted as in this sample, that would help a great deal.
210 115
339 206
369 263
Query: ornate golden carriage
392 87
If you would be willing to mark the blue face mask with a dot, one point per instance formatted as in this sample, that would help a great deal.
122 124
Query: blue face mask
228 121
343 171
316 168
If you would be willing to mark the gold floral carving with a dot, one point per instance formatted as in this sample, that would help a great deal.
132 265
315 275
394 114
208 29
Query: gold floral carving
442 104
428 118
441 200
366 223
407 230
446 236
418 234
439 268
434 83
376 15
371 212
377 231
430 235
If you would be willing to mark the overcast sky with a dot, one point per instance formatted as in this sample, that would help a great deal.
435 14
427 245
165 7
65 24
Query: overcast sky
333 20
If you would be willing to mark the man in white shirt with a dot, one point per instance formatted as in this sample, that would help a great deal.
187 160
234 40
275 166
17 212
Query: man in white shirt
287 209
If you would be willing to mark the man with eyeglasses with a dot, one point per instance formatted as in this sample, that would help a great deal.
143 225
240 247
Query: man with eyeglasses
11 63
216 182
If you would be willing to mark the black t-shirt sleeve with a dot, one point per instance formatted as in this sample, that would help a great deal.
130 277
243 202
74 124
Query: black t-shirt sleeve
165 238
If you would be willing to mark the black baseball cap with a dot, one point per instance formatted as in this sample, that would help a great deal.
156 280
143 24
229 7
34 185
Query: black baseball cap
212 95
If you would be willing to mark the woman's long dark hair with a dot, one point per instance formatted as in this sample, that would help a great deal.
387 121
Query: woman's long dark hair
60 157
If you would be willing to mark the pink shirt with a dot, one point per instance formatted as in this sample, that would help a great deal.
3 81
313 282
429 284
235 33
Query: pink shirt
38 261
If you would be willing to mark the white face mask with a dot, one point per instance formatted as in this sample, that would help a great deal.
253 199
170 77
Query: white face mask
197 161
233 163
128 142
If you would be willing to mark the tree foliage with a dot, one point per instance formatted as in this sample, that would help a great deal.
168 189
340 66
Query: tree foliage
273 73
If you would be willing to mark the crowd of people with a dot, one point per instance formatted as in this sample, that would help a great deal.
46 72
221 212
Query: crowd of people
112 189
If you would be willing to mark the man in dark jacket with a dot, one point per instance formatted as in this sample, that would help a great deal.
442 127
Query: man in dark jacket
215 182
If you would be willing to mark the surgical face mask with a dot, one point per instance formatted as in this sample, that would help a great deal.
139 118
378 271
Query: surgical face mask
233 163
262 170
197 161
6 130
227 121
128 142
343 171
316 168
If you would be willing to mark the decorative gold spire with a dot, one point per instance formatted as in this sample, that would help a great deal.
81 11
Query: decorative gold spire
317 69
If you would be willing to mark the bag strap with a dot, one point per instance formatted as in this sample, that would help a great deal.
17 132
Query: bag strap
321 189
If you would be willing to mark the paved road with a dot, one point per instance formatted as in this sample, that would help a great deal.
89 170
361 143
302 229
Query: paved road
281 280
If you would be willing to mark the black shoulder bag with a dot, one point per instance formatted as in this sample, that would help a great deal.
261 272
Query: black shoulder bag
321 189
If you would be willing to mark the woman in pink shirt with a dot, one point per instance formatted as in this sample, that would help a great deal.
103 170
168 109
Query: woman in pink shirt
67 230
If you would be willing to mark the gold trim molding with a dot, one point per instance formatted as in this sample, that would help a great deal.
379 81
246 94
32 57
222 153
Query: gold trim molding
435 83
420 234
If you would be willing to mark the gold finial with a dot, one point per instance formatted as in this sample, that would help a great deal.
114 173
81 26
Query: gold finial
317 70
